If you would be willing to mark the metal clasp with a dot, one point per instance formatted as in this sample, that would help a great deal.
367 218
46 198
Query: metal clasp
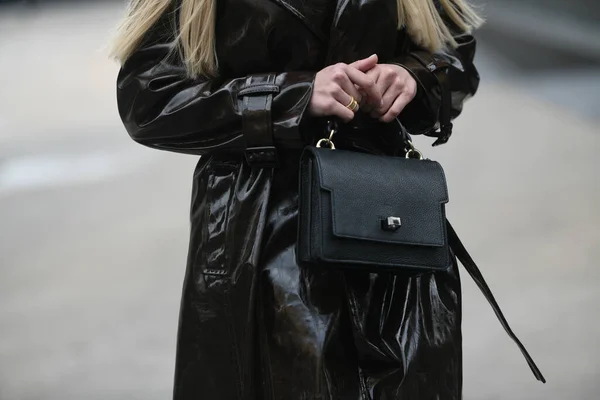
412 152
328 142
391 224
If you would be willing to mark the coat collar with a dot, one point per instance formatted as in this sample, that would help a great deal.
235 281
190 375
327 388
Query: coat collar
361 28
311 13
358 29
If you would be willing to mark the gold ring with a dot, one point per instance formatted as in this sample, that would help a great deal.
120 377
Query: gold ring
353 105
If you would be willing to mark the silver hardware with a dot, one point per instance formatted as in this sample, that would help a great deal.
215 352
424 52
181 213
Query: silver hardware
391 224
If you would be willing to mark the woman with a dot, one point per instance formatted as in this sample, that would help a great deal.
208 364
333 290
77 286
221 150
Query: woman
246 84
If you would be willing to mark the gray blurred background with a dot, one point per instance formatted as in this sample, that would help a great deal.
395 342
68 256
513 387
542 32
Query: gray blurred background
93 228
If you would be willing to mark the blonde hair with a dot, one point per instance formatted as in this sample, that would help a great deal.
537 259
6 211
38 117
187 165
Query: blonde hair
426 27
196 30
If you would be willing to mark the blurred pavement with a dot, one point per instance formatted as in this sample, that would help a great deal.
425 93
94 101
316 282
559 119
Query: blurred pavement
93 234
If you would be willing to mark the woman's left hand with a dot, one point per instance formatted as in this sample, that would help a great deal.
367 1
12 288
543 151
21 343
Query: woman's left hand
398 88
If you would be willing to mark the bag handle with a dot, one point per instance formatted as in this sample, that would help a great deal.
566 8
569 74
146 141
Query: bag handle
465 258
410 150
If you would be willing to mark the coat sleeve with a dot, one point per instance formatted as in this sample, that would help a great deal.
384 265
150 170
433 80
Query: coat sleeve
161 107
444 81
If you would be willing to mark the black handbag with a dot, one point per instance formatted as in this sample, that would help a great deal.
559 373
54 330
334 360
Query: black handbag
376 213
363 211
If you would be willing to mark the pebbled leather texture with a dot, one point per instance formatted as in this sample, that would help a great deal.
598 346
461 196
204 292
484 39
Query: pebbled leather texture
253 324
345 199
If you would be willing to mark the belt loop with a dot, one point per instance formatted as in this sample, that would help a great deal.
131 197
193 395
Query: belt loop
257 99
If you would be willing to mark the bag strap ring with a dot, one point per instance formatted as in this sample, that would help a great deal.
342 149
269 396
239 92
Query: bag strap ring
328 142
412 151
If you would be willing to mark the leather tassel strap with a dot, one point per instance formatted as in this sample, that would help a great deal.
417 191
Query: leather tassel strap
463 255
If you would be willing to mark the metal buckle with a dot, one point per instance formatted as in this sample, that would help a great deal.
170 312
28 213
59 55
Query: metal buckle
262 157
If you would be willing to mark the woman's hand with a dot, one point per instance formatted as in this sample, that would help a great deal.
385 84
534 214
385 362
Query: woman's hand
398 88
336 85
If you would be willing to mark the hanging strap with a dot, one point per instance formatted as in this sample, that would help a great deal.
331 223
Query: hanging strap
445 115
463 255
438 69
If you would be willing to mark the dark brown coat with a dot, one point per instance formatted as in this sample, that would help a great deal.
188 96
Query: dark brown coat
253 324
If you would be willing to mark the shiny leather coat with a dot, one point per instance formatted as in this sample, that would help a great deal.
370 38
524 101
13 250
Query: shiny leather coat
253 324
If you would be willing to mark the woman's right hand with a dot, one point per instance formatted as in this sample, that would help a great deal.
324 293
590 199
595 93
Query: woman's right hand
335 86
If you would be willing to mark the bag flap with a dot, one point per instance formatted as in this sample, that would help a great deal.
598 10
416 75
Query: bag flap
366 190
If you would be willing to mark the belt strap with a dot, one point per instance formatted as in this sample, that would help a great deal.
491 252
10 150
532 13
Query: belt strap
257 98
445 115
438 74
463 255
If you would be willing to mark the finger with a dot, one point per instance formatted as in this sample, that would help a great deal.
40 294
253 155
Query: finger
346 91
350 92
397 107
366 83
366 64
368 105
364 100
342 87
344 98
341 111
390 94
374 73
328 106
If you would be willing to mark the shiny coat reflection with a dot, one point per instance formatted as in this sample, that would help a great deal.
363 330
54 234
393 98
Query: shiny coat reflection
253 324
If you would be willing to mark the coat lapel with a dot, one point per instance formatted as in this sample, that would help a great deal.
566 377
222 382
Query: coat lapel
361 28
358 28
311 12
